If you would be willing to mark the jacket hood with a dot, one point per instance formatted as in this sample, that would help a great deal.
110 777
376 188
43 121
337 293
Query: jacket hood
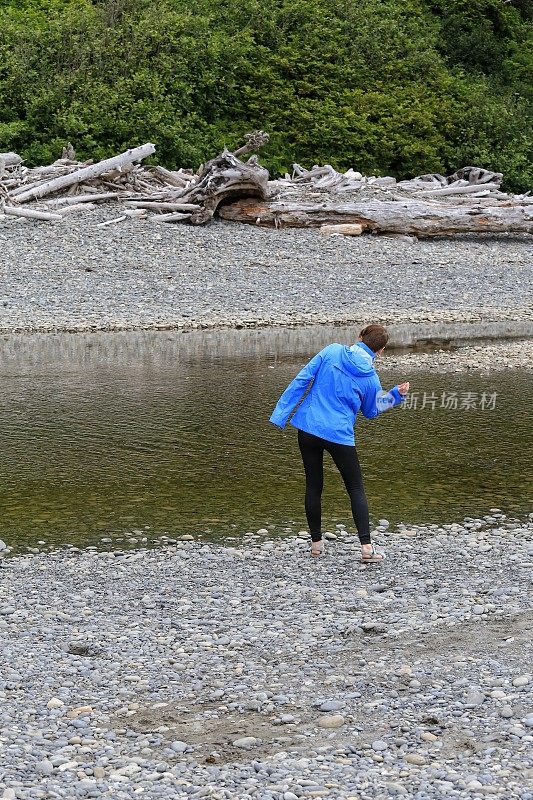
357 361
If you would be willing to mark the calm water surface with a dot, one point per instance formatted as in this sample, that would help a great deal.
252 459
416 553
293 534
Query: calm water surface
169 434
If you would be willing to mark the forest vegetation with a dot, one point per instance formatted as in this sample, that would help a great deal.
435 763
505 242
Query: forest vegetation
398 87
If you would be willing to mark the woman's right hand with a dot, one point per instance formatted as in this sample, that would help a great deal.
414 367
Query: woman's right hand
403 388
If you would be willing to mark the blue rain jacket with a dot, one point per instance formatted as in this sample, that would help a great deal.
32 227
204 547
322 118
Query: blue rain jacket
344 381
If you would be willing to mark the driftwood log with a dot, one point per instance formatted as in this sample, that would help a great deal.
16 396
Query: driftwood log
454 190
175 216
71 209
327 178
84 174
342 230
30 213
162 207
173 178
414 218
78 199
10 159
227 176
476 175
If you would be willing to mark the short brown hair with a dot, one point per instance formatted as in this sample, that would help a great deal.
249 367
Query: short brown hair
375 337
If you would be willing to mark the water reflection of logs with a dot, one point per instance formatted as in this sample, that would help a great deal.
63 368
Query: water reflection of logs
342 203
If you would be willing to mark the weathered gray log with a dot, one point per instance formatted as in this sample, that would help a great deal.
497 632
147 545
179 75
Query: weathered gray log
45 172
24 187
161 206
476 175
449 191
349 229
112 221
117 173
149 197
30 213
83 198
174 178
10 159
175 217
86 173
254 141
227 176
223 177
419 219
135 213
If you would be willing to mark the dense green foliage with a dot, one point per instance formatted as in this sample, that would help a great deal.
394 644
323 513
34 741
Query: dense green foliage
386 86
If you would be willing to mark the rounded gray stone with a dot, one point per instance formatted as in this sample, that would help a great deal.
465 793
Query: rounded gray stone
379 746
178 746
245 743
331 721
44 767
332 705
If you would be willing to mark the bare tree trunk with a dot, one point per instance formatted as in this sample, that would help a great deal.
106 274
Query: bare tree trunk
418 219
223 177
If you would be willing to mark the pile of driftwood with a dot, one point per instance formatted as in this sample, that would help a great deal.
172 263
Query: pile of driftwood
469 201
175 196
471 181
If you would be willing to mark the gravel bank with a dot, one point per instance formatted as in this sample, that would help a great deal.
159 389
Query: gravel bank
485 359
75 276
257 672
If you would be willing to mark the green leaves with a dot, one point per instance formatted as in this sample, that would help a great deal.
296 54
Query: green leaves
381 85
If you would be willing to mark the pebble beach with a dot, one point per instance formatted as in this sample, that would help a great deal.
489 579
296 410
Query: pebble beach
254 671
251 671
76 276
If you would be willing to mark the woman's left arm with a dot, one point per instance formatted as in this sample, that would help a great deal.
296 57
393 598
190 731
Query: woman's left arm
295 391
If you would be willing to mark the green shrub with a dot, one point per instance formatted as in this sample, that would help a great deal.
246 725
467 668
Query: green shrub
383 86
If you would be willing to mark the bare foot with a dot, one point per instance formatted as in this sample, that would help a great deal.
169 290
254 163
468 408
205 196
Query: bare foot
317 548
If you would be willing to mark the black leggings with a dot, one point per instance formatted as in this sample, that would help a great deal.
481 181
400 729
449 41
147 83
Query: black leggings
345 458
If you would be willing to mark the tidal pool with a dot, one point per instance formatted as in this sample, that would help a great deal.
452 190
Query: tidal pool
168 433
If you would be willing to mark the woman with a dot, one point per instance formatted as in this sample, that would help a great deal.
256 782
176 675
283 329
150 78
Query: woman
343 381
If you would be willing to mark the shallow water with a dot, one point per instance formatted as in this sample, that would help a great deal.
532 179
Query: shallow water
168 433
